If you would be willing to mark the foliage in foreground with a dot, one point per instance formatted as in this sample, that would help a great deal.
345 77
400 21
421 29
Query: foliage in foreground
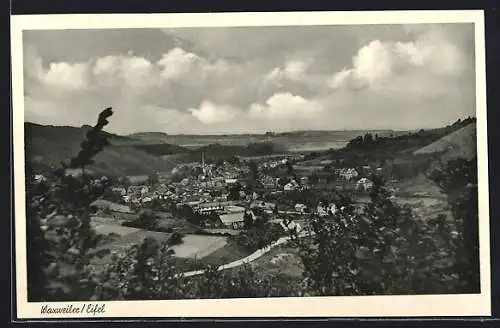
386 249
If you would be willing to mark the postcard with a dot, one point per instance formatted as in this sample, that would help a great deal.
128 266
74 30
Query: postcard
236 165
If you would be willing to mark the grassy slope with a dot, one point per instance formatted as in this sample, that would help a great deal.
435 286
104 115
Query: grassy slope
461 142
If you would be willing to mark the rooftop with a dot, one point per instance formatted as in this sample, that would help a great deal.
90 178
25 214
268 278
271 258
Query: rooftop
232 217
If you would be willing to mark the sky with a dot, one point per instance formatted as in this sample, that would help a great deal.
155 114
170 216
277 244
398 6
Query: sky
223 80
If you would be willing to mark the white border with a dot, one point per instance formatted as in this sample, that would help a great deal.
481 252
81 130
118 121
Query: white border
365 306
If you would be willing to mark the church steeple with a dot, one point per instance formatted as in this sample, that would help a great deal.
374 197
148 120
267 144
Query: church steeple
203 163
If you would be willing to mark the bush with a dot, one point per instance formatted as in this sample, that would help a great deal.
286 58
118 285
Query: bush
175 239
384 249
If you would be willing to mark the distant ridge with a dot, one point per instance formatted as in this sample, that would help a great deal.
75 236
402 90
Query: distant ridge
46 146
158 137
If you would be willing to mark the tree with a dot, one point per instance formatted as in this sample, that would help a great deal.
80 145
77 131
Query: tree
94 143
458 180
58 222
247 220
368 139
313 178
62 246
289 169
327 255
254 170
125 182
153 179
234 191
175 239
382 248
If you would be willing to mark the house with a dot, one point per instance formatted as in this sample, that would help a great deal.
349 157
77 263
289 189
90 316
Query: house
234 220
263 205
323 210
290 226
206 208
234 209
346 174
120 190
364 184
39 178
242 194
332 208
301 208
291 186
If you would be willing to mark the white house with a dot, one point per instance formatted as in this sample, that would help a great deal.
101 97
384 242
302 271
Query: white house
235 220
290 186
301 208
39 178
290 226
364 184
326 210
347 174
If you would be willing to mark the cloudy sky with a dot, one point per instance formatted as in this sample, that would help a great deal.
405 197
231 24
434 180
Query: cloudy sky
252 79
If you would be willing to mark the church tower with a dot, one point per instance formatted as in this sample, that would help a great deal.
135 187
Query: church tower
203 164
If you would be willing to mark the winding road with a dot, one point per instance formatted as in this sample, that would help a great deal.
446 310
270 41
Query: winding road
250 258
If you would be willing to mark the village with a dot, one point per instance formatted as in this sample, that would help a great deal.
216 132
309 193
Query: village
202 208
224 189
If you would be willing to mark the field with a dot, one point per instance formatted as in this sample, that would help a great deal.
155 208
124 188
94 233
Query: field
281 260
198 246
417 185
229 253
291 141
105 229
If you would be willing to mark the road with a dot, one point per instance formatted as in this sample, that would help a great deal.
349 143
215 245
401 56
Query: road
250 258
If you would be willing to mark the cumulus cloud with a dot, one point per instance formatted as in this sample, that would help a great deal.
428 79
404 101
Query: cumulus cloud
136 73
65 75
208 112
215 83
380 62
285 106
293 70
176 63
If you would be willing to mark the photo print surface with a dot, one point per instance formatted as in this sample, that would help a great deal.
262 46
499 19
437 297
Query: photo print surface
181 164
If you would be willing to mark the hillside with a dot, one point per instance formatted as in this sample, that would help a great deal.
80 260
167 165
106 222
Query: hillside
161 149
215 151
459 143
150 137
47 146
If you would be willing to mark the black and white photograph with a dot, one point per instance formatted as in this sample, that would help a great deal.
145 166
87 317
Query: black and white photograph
248 160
